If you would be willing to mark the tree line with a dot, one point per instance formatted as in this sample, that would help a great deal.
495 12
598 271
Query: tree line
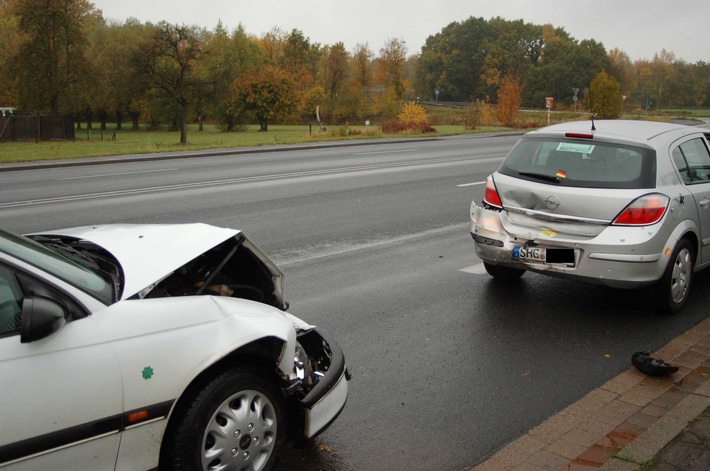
63 56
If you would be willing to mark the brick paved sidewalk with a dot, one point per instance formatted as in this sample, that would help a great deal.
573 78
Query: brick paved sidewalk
689 451
623 424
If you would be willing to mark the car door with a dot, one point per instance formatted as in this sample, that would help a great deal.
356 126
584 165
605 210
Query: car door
692 159
61 395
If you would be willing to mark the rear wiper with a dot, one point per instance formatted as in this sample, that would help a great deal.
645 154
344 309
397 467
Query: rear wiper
541 176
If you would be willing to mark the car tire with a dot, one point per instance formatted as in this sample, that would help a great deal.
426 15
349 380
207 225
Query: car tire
674 286
233 421
500 272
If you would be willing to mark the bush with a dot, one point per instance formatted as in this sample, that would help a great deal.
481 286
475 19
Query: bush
396 127
344 131
412 113
474 115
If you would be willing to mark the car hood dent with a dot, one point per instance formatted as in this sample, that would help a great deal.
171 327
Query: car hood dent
149 252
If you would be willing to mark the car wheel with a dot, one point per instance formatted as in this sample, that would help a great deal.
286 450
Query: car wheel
674 286
233 422
503 273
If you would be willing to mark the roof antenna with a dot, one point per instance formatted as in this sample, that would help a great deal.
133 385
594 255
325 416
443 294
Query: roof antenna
591 106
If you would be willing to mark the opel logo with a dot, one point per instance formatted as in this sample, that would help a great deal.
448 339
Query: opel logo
552 202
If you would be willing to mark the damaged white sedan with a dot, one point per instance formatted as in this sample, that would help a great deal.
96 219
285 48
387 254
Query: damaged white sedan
137 347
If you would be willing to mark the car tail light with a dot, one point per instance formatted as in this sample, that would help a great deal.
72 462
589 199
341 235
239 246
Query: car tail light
492 197
643 211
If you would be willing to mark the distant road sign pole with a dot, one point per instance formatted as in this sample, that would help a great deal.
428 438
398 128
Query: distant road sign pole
549 102
436 95
574 98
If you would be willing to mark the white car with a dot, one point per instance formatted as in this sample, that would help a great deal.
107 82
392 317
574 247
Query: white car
136 347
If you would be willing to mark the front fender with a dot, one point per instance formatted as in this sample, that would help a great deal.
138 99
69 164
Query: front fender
163 344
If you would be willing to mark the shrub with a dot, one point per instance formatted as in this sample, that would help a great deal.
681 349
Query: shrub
396 127
344 131
412 113
474 115
509 97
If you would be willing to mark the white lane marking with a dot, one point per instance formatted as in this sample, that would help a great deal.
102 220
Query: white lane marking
477 269
385 152
470 184
239 180
310 254
118 174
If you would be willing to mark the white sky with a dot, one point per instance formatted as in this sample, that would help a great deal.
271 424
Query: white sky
641 28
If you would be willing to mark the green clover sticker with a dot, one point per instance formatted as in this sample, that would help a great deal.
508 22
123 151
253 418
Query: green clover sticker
147 372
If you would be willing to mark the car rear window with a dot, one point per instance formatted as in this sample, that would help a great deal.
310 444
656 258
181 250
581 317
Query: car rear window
582 163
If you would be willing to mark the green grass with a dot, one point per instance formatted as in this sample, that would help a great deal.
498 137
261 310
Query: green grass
97 143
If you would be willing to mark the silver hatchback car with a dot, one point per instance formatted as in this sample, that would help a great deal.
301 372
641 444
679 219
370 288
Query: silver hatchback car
620 203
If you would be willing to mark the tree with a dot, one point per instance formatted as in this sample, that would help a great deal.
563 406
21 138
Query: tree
227 56
452 61
267 92
362 66
50 63
390 65
170 59
662 72
565 64
333 76
272 44
509 97
334 69
9 38
620 67
113 88
604 98
361 79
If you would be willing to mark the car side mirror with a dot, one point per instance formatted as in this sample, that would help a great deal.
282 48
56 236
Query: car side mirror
40 317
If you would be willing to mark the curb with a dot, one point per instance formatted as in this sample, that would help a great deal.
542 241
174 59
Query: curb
623 424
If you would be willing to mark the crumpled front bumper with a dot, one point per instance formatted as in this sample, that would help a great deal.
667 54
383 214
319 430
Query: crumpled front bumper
325 399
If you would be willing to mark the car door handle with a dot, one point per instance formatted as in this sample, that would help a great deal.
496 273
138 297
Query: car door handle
705 203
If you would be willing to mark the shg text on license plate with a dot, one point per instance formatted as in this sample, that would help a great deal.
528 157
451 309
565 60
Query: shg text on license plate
530 254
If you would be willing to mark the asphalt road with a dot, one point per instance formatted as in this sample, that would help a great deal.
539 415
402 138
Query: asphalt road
448 365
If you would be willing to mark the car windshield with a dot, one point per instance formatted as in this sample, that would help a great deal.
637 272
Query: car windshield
582 163
58 265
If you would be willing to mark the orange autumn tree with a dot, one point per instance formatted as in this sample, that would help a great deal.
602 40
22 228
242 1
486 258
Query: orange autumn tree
510 96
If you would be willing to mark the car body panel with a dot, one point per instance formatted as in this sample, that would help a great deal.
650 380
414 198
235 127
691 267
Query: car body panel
140 354
561 215
224 325
72 363
167 246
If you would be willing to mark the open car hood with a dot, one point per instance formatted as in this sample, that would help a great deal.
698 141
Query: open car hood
151 254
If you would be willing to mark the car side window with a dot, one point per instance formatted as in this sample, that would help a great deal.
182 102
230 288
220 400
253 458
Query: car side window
10 303
681 165
693 161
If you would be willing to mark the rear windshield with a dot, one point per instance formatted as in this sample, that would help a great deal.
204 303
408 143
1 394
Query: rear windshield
580 163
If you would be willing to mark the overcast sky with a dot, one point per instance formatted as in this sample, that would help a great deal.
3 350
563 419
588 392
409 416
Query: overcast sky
639 27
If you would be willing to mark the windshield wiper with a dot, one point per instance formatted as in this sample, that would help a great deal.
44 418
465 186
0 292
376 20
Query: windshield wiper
87 259
541 176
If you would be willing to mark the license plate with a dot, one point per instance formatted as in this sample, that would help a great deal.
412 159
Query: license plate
530 254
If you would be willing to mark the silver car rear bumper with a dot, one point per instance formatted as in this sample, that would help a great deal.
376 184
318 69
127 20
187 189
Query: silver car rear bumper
620 257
